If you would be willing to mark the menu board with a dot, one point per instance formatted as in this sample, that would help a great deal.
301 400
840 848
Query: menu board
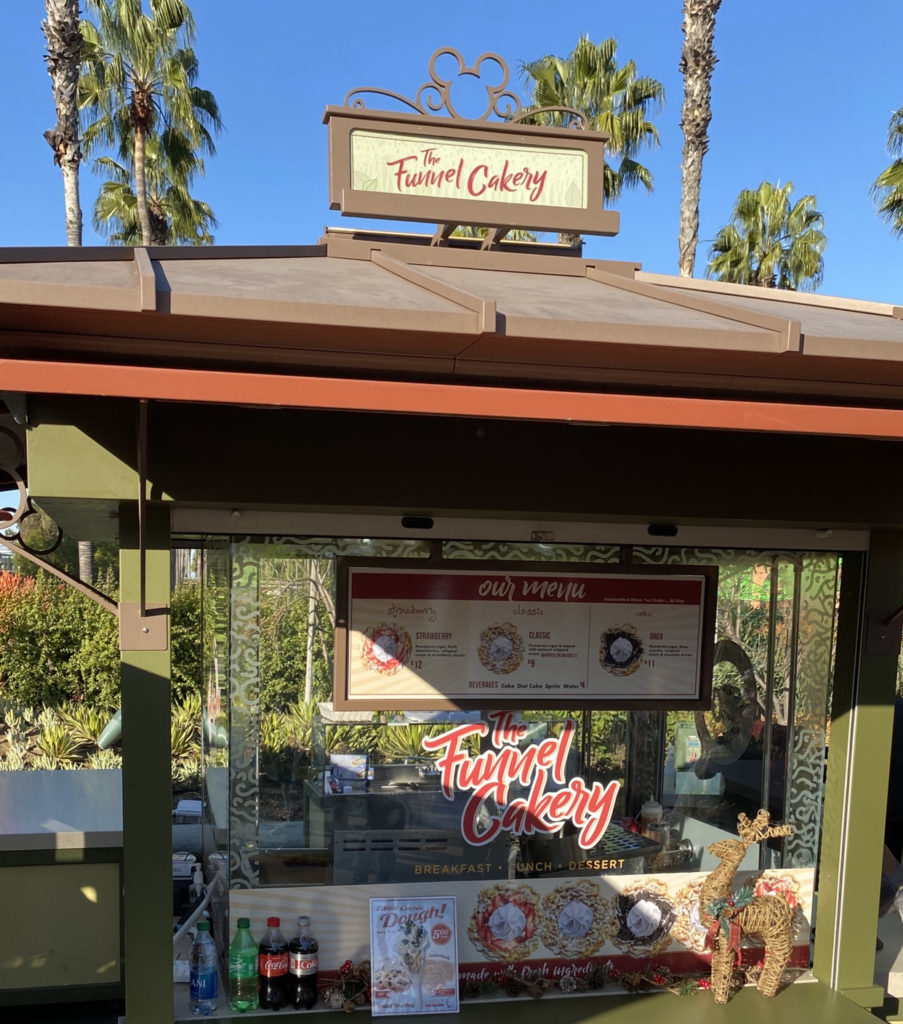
491 635
413 956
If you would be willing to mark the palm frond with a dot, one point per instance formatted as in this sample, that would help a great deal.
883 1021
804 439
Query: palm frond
140 101
887 189
769 241
612 98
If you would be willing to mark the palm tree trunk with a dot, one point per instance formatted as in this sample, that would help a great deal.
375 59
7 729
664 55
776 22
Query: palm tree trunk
62 30
86 561
70 197
141 187
64 44
697 62
311 625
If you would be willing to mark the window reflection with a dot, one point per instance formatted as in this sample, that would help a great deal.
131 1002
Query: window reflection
312 796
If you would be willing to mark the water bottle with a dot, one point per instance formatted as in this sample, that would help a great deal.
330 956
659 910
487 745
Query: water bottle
243 969
202 972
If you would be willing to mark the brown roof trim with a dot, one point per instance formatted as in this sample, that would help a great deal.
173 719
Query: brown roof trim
147 284
726 288
219 387
124 253
686 338
484 308
519 257
788 331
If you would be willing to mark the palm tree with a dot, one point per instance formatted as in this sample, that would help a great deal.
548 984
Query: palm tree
610 97
64 44
770 242
138 81
176 217
697 61
62 30
887 189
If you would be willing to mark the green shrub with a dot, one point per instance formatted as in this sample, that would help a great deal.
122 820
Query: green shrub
86 722
104 759
59 743
402 741
15 759
299 717
186 643
58 646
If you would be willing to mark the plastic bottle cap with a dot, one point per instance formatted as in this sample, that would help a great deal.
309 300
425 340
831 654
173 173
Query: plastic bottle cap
272 922
203 926
651 809
244 922
303 922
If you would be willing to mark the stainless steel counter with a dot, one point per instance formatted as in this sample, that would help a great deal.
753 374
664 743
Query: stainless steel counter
58 810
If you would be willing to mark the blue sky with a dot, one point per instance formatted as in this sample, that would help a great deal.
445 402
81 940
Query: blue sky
802 92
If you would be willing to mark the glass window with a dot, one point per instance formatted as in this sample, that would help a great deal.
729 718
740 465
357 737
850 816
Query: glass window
305 795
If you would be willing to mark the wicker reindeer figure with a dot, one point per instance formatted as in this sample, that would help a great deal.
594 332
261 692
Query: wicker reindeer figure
730 916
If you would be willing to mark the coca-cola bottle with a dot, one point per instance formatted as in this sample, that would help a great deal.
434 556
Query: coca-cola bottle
303 966
272 967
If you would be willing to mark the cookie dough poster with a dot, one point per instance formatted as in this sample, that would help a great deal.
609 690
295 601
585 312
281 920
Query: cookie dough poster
473 636
413 955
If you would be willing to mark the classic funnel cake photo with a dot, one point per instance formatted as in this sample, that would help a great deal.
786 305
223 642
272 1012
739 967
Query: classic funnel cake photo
688 928
385 648
501 648
620 650
503 924
576 921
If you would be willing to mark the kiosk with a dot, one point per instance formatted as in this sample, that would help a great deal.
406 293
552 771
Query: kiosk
423 406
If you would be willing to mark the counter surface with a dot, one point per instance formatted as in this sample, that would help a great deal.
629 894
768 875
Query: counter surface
55 810
800 1001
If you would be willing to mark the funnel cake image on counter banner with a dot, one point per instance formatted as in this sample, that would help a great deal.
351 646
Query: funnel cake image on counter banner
576 920
503 923
644 916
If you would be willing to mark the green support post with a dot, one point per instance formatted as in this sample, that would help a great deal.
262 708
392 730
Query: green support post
146 771
856 788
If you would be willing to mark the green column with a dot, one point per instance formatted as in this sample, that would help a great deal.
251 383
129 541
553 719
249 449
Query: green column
856 787
146 773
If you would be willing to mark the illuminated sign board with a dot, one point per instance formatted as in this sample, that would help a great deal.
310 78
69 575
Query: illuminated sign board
527 635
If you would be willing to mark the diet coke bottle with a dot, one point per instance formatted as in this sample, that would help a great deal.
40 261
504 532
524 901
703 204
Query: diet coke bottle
303 966
272 967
